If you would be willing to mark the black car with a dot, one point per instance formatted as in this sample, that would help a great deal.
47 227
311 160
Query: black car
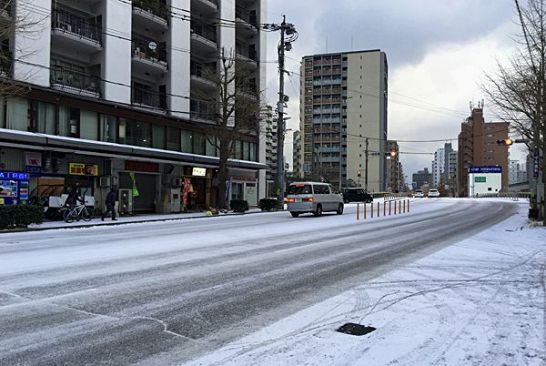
356 195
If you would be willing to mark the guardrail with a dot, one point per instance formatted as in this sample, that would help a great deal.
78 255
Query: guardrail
512 195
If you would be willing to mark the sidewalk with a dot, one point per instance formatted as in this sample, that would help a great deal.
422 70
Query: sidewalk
121 220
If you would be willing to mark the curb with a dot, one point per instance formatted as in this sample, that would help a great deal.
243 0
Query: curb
22 230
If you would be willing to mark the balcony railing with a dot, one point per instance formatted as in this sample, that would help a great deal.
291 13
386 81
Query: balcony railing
204 30
144 96
248 16
83 27
155 7
142 49
75 79
202 71
201 110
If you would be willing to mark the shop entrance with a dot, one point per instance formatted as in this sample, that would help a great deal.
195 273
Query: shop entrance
146 185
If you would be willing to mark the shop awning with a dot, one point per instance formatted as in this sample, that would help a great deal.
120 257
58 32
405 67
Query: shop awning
38 141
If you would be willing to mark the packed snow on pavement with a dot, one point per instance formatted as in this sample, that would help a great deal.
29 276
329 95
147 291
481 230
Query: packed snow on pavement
479 301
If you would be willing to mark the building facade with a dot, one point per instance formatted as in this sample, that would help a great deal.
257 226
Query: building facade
517 172
438 167
297 156
395 175
270 126
421 178
111 98
444 167
343 118
478 147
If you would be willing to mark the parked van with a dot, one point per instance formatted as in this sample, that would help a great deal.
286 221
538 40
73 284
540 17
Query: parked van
313 197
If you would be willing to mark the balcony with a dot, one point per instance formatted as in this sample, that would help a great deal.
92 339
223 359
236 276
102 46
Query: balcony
150 14
76 33
74 81
201 75
203 37
246 20
6 60
144 96
205 7
200 111
247 55
149 56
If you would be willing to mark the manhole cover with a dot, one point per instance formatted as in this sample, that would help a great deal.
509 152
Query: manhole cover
355 329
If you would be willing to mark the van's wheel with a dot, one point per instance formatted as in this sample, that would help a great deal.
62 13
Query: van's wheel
318 212
340 209
294 214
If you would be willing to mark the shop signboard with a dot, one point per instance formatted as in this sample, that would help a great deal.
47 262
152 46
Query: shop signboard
13 187
199 172
33 159
83 169
141 166
485 169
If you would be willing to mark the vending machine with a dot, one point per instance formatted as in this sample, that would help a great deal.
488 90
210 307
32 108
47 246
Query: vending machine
14 187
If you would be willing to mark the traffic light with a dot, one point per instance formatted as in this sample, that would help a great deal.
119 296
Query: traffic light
505 142
391 154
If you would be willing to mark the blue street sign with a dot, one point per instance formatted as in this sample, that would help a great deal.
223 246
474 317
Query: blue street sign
485 169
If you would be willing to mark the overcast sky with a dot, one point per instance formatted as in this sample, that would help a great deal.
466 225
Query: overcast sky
438 52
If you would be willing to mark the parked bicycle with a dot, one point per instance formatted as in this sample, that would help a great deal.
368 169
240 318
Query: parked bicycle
77 212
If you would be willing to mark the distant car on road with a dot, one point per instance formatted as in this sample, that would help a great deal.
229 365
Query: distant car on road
418 194
356 195
433 193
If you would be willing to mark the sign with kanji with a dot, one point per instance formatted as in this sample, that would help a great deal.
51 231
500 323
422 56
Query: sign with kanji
83 169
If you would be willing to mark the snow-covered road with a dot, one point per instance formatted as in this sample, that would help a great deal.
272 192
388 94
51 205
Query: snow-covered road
166 292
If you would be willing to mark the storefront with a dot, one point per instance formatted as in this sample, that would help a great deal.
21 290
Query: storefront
141 180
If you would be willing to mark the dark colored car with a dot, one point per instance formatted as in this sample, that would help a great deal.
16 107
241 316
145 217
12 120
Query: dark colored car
356 195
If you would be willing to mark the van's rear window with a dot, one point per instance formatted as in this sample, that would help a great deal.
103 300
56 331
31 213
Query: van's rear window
299 189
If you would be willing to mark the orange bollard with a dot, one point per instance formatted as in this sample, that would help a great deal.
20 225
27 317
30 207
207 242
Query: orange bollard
357 211
371 210
364 211
378 210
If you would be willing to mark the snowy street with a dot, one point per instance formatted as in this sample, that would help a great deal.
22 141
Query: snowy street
452 282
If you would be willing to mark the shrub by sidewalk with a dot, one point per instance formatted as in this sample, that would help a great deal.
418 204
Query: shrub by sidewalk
20 216
268 204
238 205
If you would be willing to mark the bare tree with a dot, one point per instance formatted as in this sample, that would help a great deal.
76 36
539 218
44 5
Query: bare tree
234 108
10 24
519 88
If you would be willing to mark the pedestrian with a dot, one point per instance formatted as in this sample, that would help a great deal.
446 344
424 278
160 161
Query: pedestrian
110 203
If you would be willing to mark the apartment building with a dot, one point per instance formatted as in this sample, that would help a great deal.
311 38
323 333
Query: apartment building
444 166
517 172
395 175
438 167
269 122
112 97
343 118
297 156
478 147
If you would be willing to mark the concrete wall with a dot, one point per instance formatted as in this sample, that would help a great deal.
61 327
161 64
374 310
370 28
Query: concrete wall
32 42
178 84
116 64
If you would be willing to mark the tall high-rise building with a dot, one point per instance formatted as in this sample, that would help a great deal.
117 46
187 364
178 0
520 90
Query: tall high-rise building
478 147
443 169
343 118
438 167
297 155
395 176
113 97
269 121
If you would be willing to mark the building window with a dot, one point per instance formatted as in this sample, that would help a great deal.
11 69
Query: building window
173 139
187 141
89 125
17 114
69 121
198 143
43 117
108 127
158 137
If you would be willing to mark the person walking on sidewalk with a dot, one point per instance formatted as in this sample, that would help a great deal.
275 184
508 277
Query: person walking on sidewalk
110 202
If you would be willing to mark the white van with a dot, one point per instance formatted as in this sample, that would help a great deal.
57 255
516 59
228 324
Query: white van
313 197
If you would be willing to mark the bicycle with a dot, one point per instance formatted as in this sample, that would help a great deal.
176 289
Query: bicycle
78 212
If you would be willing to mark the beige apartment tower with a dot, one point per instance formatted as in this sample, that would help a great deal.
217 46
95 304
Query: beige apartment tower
343 119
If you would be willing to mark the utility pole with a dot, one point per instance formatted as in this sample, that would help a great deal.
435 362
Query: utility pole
288 35
366 153
280 112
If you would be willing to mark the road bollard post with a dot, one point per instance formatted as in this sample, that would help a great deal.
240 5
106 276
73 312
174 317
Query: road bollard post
357 211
